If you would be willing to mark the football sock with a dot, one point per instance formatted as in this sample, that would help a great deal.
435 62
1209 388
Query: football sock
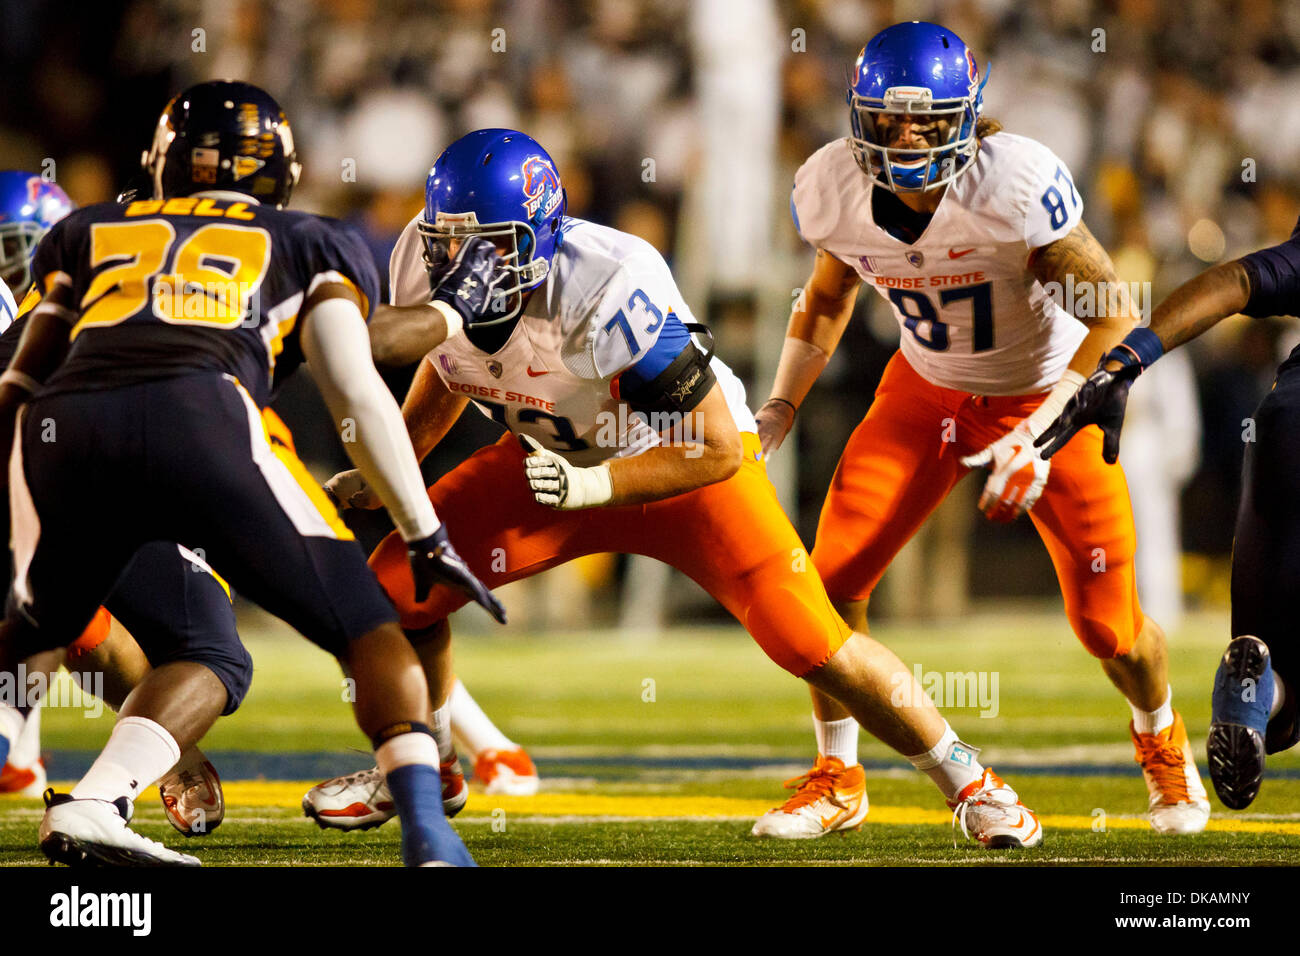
951 764
837 738
1279 696
440 726
11 726
473 728
410 765
25 749
1152 722
138 752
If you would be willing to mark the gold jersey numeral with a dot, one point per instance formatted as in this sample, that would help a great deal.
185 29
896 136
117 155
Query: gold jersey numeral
215 273
122 290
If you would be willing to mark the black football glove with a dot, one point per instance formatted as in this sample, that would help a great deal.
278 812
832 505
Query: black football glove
469 282
435 561
1100 401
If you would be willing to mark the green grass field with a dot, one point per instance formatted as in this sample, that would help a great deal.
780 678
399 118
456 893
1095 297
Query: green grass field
674 771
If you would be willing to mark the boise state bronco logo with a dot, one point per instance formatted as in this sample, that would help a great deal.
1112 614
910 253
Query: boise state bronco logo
541 187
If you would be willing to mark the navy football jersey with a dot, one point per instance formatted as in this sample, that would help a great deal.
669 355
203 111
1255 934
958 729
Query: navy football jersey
1274 275
162 288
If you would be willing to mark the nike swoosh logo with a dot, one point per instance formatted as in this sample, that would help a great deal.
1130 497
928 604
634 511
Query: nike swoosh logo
954 254
535 374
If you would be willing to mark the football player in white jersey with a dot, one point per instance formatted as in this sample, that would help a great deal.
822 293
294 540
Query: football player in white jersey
975 238
575 338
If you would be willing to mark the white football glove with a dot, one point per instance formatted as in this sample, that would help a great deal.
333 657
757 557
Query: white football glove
563 486
1018 477
348 489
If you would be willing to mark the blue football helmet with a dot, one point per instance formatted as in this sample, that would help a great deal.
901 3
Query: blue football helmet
29 206
922 71
499 184
223 134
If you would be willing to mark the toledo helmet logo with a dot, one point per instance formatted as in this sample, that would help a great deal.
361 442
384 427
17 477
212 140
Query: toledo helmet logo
541 187
246 165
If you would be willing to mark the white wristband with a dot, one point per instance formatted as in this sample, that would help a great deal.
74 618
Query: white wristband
449 315
597 485
1055 402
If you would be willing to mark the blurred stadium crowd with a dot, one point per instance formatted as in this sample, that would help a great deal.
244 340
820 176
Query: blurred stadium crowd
1180 120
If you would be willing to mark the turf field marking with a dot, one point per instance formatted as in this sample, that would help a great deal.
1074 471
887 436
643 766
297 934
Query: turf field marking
579 807
556 808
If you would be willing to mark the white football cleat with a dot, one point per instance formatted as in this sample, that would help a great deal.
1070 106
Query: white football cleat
827 798
1177 801
360 801
356 801
191 795
990 812
24 781
509 772
94 833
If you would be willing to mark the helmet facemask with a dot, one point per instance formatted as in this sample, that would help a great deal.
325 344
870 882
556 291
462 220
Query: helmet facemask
946 126
17 245
515 241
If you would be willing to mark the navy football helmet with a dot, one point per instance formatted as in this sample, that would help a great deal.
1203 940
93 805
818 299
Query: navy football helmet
499 184
29 206
223 135
927 74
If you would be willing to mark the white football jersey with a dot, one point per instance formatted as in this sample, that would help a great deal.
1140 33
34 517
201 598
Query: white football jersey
8 308
973 317
601 309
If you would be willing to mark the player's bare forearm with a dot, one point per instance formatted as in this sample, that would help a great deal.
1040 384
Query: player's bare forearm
430 410
822 312
1200 303
707 450
44 342
402 335
1078 261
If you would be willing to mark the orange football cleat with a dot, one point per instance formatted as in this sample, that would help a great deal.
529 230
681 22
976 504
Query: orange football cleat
827 798
509 772
990 812
1177 801
25 781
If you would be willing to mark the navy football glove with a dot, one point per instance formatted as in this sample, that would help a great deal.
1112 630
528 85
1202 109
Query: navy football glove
435 561
470 282
1100 401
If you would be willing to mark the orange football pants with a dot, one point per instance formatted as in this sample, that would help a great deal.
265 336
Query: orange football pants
904 458
731 537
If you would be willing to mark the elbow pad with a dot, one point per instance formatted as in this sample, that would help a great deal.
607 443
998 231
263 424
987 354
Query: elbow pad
681 386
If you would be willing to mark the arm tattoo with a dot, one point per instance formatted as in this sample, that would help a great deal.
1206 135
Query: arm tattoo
1080 256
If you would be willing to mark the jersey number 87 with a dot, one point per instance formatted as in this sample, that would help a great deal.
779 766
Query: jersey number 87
922 319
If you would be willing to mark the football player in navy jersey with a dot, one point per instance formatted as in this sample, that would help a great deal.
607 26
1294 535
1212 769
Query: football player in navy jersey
1254 702
162 327
175 614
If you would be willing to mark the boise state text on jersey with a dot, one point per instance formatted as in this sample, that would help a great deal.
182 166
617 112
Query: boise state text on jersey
196 283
